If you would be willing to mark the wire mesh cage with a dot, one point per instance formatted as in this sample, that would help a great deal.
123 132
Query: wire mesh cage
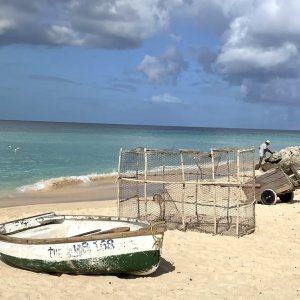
211 192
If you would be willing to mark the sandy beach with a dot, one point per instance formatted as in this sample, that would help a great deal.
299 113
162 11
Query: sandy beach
262 265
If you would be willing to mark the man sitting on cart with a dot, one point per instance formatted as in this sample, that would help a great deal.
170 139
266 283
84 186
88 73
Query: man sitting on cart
263 149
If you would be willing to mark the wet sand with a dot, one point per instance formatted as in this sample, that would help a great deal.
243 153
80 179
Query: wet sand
106 189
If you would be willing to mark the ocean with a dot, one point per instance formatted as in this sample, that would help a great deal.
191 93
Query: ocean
34 154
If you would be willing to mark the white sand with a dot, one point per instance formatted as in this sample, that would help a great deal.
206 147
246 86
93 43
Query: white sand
263 265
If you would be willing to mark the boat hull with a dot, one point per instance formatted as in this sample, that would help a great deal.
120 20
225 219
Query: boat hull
140 263
133 252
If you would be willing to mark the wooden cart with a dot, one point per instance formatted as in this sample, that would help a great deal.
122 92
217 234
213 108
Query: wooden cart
277 183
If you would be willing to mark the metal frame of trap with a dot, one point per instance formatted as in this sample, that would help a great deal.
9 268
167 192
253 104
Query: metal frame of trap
139 176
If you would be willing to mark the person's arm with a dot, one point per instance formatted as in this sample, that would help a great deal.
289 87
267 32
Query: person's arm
268 150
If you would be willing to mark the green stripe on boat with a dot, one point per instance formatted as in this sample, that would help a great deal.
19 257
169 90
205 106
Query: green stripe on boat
125 263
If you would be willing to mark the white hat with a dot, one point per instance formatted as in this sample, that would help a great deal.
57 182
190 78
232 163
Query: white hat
268 142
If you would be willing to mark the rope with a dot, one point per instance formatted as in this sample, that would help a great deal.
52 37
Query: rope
158 241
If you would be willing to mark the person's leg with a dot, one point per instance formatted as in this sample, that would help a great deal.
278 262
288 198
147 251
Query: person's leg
260 161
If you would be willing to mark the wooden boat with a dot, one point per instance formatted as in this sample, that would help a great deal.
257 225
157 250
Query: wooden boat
79 244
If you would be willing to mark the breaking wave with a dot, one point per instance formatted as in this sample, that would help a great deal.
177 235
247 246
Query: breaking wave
54 183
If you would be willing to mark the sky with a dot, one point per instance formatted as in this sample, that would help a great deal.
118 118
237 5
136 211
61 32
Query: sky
202 63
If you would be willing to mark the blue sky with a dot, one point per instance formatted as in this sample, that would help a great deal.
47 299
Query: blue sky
174 62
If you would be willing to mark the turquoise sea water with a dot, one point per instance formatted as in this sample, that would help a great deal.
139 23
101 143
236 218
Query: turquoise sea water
31 153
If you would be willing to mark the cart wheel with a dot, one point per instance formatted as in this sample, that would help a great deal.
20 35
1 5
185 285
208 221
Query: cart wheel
268 197
287 197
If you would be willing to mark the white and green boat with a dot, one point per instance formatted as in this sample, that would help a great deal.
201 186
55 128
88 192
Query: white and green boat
79 244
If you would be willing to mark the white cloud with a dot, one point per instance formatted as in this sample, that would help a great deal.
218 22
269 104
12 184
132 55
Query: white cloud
264 35
235 59
259 49
64 35
165 98
5 25
152 68
165 68
104 24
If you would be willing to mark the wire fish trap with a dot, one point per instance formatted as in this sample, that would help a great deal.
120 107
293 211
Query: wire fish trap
212 191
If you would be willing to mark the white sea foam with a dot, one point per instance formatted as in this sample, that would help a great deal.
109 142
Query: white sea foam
54 183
